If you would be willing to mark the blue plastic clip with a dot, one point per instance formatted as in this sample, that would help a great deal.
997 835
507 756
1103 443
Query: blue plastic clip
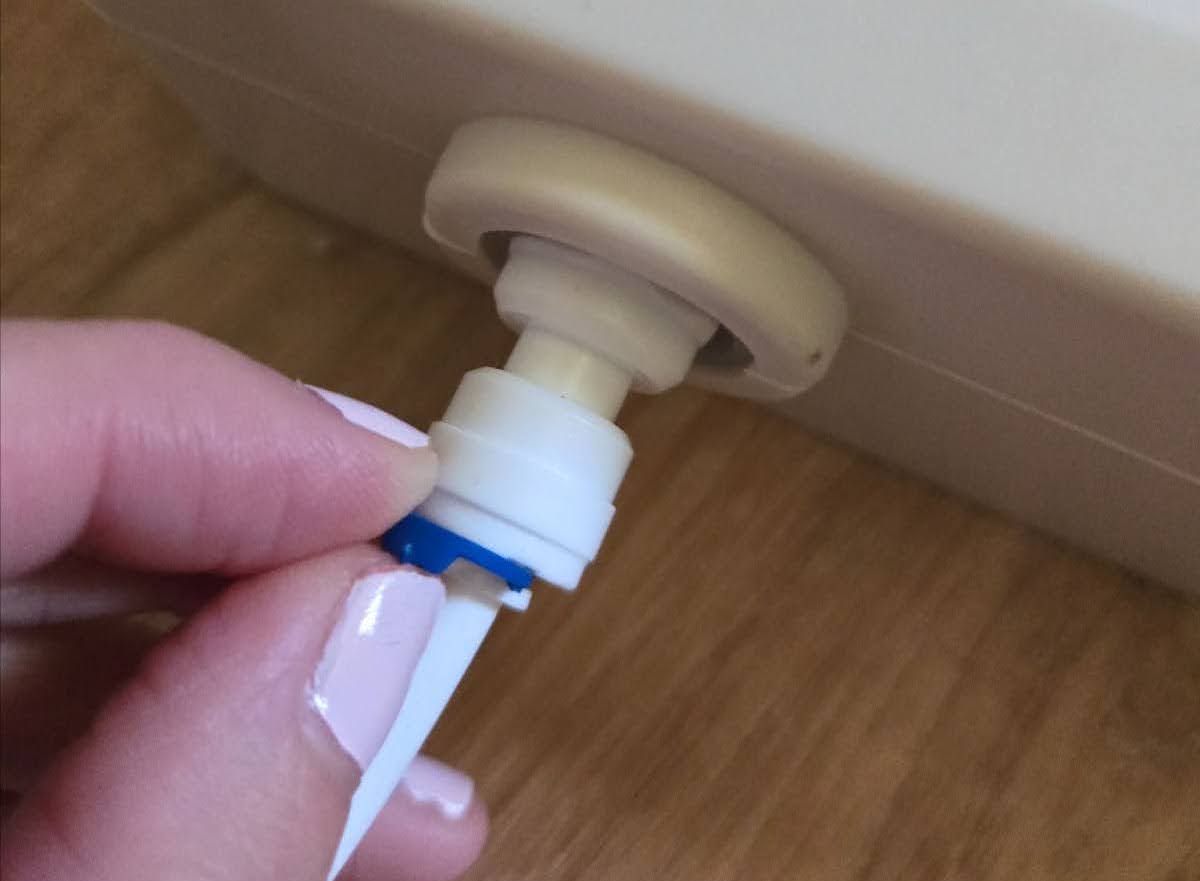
424 544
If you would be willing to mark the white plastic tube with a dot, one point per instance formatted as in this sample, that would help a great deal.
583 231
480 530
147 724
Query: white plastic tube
473 597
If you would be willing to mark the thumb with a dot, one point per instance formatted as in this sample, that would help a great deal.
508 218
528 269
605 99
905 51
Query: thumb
234 752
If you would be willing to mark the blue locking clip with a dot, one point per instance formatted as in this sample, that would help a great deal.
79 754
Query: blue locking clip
426 545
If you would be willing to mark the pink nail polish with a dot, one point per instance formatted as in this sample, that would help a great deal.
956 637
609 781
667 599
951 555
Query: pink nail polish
428 781
373 419
360 684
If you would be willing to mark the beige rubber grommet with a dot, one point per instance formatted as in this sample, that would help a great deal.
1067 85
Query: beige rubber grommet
503 176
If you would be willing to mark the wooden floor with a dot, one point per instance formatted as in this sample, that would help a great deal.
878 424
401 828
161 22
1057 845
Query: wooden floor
790 662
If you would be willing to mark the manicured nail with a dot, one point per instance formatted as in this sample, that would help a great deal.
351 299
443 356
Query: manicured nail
373 419
365 671
428 781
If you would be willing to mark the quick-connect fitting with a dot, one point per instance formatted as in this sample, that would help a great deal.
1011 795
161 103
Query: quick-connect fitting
530 459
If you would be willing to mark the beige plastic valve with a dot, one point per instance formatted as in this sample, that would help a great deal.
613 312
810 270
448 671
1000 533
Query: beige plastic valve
501 177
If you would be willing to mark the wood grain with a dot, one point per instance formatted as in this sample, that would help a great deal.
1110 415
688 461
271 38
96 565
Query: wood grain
789 663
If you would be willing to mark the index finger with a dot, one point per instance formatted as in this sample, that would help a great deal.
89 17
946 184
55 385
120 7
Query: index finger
158 448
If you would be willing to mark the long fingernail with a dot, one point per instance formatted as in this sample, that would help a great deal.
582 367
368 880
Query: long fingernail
365 671
428 781
373 419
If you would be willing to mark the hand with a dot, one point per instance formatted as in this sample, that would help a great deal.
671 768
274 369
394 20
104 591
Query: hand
213 490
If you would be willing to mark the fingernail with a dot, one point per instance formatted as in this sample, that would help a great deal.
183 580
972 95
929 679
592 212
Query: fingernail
373 419
428 781
368 662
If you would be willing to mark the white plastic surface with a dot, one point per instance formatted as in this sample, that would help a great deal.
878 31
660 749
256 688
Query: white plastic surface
473 598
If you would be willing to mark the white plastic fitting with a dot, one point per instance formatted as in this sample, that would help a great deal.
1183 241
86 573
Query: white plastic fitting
616 268
530 459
